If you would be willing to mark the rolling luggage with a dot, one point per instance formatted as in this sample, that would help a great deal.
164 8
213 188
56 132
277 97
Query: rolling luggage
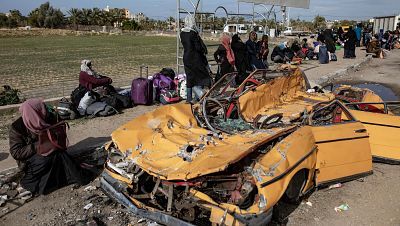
142 89
323 56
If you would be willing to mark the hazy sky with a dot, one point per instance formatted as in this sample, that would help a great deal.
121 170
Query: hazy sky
160 9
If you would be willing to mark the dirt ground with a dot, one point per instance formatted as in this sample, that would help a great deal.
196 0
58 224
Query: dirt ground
373 200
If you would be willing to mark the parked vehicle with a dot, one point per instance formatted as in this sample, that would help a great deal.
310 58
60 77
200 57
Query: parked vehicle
236 28
290 32
183 164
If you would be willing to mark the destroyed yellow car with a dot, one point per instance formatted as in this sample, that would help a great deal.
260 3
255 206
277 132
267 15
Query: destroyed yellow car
191 165
380 118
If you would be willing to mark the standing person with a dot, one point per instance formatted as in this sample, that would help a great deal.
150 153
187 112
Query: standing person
358 32
241 58
225 57
253 50
43 171
329 40
263 44
340 34
194 60
350 44
380 37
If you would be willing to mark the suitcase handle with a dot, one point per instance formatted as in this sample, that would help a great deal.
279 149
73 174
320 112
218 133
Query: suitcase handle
141 71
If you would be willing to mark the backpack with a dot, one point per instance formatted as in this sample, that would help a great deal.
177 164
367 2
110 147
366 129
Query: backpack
142 89
323 56
77 95
169 72
117 101
160 81
65 109
333 57
169 96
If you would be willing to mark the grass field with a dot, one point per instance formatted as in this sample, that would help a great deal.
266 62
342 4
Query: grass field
49 66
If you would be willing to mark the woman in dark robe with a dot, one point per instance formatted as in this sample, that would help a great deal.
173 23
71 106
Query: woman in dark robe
241 58
329 40
194 60
44 172
350 44
254 51
340 34
225 57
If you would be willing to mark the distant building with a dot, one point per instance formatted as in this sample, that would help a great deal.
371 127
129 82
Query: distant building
139 17
387 23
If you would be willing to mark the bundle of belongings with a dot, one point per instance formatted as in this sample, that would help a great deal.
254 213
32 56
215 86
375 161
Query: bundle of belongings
95 96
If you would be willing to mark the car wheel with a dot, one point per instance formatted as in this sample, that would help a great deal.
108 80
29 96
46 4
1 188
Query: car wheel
296 185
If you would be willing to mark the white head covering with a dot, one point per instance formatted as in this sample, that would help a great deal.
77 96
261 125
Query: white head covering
86 68
190 24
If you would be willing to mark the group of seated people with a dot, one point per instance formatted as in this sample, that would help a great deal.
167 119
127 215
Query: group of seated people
381 42
288 51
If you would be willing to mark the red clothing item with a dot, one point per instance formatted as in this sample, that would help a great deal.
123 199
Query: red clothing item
90 82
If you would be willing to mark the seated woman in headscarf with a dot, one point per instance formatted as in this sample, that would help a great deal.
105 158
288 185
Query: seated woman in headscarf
374 48
241 58
89 79
253 49
225 57
278 54
194 60
45 166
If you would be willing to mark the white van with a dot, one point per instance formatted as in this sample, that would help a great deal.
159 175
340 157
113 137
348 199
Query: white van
236 28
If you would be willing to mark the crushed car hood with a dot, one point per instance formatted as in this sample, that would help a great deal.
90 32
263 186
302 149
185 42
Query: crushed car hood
167 143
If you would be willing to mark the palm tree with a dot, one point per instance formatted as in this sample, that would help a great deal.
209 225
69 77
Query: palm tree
86 16
96 16
74 17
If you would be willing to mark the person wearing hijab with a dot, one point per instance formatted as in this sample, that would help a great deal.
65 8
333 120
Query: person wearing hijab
42 172
89 79
358 32
194 60
340 34
241 58
279 53
225 57
329 40
350 44
264 51
253 49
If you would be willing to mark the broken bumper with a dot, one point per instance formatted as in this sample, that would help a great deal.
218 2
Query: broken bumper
113 188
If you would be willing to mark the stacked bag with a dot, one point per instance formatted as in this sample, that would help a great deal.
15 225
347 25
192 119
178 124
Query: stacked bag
161 87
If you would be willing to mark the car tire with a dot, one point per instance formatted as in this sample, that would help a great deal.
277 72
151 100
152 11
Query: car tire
293 191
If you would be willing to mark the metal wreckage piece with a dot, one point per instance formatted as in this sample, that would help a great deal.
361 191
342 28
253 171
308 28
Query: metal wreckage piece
230 160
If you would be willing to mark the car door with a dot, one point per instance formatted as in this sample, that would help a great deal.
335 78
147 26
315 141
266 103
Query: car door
343 147
384 132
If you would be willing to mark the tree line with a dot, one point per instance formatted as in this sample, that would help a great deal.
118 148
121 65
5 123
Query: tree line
46 16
